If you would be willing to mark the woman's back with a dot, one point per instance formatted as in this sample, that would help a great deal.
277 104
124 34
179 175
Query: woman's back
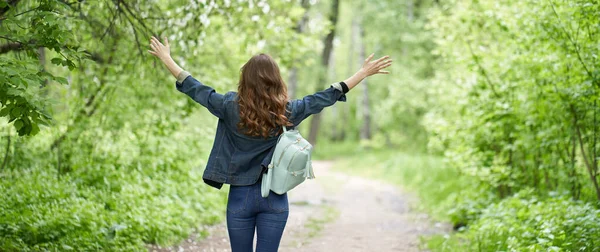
238 158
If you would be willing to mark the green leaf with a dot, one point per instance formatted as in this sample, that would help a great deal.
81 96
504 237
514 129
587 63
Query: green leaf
34 129
18 124
4 111
22 131
15 112
10 71
56 61
14 91
44 74
45 114
61 80
27 82
71 64
15 80
41 121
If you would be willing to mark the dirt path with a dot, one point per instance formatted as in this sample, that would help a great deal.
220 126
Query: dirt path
339 212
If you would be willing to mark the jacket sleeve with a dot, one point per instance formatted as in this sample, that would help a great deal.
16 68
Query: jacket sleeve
205 95
314 103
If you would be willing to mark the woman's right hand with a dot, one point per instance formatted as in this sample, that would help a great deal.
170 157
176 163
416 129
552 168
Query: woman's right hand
160 50
369 68
376 66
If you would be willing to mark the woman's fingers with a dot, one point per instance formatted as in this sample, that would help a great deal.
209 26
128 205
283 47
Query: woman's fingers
155 42
159 49
154 47
368 59
376 66
382 59
385 63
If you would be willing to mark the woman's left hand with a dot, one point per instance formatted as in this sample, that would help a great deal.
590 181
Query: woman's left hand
159 50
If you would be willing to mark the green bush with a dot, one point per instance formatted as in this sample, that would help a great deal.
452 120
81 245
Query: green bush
41 211
107 190
524 222
484 222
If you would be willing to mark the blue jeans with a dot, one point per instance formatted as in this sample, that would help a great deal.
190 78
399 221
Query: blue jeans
247 210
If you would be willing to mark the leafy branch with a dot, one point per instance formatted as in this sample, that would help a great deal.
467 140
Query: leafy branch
574 43
482 69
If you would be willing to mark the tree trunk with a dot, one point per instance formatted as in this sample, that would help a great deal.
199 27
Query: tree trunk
328 46
409 19
335 120
365 131
410 13
292 82
351 68
293 77
593 150
576 186
589 165
6 156
42 59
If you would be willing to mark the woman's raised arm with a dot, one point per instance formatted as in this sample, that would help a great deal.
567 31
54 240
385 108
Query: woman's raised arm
163 52
314 103
203 94
369 68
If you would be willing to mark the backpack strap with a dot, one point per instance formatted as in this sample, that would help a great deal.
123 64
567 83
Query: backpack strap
265 186
308 170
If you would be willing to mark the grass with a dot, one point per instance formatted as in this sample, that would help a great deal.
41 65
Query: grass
315 224
328 150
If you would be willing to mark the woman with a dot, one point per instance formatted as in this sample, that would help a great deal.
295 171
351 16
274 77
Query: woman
249 122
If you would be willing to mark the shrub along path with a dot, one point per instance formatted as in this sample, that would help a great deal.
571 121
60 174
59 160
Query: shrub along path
339 212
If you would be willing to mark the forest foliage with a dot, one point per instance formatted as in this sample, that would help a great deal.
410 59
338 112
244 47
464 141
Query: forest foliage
120 163
517 90
99 152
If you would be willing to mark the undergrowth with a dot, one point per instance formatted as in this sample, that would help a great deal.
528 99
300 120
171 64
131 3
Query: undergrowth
523 221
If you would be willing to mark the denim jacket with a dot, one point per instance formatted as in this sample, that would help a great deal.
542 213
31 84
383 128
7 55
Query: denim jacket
239 159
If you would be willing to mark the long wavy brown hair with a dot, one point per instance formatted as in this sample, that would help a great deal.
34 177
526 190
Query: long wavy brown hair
262 97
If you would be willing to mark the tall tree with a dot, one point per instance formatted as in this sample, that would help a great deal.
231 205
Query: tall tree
325 55
365 130
293 77
343 130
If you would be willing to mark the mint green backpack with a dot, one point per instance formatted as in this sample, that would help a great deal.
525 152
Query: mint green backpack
290 164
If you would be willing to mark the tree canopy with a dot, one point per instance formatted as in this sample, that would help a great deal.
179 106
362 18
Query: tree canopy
99 152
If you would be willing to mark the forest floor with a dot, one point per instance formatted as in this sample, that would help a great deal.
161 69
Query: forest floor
339 212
